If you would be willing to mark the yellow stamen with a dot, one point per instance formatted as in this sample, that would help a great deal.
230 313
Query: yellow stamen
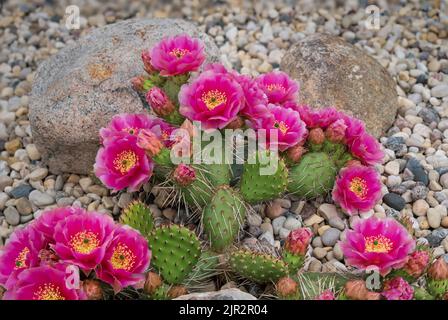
122 257
359 187
281 126
125 161
48 291
179 53
84 242
131 130
20 261
378 244
213 98
274 87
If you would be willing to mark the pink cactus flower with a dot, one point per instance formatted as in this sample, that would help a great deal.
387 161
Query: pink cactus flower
82 239
184 175
355 128
318 118
383 244
290 129
43 283
47 221
298 241
335 132
177 55
123 164
20 253
159 102
367 149
398 289
126 260
357 189
213 98
278 86
326 295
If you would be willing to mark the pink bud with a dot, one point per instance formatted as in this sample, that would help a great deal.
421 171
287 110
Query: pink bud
296 152
336 131
316 136
353 162
417 263
298 241
184 175
146 57
148 141
137 83
159 102
438 270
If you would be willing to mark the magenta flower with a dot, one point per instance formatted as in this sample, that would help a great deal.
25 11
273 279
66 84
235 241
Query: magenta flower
398 289
20 253
357 188
127 124
383 243
47 221
278 86
290 129
126 260
367 149
123 164
355 128
43 283
318 118
177 55
160 103
213 98
326 295
298 241
82 239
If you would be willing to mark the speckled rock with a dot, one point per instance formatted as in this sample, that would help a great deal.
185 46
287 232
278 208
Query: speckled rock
227 294
332 72
77 91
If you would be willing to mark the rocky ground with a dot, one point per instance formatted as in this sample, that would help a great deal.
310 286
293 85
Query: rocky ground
412 44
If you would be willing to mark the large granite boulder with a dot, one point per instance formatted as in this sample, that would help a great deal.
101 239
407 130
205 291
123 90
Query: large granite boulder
77 91
332 72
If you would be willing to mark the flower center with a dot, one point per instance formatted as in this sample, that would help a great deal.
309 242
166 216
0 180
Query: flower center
281 126
20 261
378 244
48 291
213 98
84 242
130 130
179 53
359 187
275 87
125 161
122 257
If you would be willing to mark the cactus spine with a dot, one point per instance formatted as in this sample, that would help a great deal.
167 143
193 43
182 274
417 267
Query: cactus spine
138 216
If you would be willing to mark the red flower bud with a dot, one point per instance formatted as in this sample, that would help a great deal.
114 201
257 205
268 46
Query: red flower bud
159 102
137 83
438 270
316 136
286 287
296 152
146 57
298 241
417 263
336 131
184 175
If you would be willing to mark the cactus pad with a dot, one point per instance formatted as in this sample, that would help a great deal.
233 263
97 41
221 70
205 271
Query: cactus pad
258 267
314 176
438 288
223 217
255 187
138 216
175 251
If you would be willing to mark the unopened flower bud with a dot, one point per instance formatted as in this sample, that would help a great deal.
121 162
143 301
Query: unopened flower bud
153 281
438 270
137 83
146 57
417 263
316 136
148 141
295 153
184 175
357 290
326 295
159 102
298 241
286 288
92 289
336 131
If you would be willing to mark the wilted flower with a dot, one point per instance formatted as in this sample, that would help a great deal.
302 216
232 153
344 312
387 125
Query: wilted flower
20 253
357 188
397 289
82 239
177 55
278 86
326 295
126 259
384 244
123 164
137 83
184 175
152 282
295 153
213 98
438 270
92 289
160 103
43 283
177 291
298 241
417 263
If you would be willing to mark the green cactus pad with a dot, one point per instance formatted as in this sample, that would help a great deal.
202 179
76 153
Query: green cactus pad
314 176
222 217
207 267
422 294
255 187
258 267
161 293
295 262
138 216
437 288
175 251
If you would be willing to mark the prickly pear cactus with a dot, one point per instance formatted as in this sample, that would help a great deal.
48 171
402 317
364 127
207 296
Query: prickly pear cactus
175 251
161 293
295 262
422 294
138 216
256 187
313 176
207 267
437 288
258 267
222 217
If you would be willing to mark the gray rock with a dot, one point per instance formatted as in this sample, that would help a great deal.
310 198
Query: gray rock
417 169
20 191
292 223
24 206
78 90
268 237
337 223
436 237
394 201
330 237
5 181
227 294
12 216
277 223
332 72
40 198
